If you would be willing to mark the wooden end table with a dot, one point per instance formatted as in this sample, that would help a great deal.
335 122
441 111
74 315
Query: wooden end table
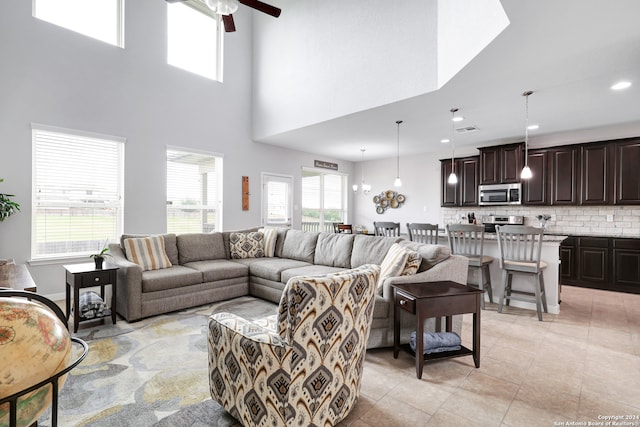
436 299
86 276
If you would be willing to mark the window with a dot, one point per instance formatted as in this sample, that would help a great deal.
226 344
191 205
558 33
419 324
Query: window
194 192
277 200
323 199
77 192
100 19
194 39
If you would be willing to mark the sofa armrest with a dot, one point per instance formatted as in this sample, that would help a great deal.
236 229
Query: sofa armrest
454 268
129 285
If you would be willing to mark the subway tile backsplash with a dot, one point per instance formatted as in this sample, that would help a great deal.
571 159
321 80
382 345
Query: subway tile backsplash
614 221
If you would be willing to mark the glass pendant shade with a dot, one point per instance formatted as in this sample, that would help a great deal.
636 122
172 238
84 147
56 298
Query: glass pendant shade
223 7
526 172
453 178
397 182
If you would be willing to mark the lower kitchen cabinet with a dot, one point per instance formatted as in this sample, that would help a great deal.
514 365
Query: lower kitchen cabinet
607 263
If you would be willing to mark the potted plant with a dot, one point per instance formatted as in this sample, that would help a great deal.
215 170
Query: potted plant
99 257
7 206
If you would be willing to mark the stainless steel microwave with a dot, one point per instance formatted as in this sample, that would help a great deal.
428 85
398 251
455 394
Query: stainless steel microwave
500 194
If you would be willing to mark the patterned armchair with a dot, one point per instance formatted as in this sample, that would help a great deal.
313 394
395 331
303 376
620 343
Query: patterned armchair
302 366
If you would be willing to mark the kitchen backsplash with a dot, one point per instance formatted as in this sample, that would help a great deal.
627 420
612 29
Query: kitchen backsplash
613 221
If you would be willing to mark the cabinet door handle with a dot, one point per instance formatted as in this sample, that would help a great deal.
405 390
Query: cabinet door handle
97 279
403 302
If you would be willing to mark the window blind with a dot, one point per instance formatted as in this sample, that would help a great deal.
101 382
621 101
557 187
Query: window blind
77 192
194 187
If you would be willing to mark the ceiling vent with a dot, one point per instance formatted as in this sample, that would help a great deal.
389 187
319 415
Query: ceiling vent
467 129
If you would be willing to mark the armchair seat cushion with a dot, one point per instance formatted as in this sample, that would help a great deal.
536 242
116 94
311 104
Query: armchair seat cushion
271 268
170 278
219 269
309 270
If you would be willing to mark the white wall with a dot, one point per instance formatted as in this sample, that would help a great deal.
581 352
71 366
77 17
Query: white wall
54 76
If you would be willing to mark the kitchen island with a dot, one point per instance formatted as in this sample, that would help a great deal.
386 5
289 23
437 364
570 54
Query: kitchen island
550 254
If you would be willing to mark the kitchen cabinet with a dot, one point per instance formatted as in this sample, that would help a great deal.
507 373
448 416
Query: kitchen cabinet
564 175
627 172
536 189
501 164
593 261
465 192
596 174
626 265
568 259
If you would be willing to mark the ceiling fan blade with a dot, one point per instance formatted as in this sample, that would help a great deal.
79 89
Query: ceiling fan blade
262 7
229 25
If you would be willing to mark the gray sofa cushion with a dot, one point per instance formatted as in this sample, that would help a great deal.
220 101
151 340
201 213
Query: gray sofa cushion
334 250
200 247
219 269
270 268
431 254
309 270
170 245
370 249
300 245
169 278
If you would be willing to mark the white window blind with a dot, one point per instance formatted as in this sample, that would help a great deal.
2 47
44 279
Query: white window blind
99 19
77 192
323 199
194 190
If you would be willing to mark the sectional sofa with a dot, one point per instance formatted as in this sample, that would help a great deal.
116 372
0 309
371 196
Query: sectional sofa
202 268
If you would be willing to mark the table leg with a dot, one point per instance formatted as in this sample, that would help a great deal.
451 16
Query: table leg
68 300
449 324
113 301
76 304
419 344
476 333
396 328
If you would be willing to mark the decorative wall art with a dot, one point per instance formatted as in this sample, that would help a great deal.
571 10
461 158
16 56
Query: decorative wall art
388 199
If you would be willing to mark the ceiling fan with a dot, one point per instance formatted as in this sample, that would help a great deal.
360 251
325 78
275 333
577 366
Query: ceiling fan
225 8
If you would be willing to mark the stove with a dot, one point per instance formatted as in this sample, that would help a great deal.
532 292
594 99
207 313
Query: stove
490 221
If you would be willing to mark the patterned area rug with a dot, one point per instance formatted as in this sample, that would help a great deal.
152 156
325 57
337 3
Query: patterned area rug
151 372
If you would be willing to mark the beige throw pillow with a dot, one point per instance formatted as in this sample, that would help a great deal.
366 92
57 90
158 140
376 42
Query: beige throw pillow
270 238
392 264
148 252
412 265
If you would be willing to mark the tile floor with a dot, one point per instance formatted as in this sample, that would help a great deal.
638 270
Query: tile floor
571 369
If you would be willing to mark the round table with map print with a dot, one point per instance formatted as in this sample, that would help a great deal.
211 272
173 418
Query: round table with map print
34 345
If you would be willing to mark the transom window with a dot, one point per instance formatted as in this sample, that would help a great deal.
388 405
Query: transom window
194 191
194 39
100 19
324 200
77 192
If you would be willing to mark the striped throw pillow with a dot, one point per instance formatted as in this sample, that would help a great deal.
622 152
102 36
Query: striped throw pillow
392 264
270 237
413 264
148 252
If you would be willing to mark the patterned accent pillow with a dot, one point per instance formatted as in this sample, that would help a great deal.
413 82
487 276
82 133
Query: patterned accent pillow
246 245
392 264
148 252
412 265
270 237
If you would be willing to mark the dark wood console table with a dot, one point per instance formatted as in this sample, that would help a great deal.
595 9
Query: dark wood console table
436 299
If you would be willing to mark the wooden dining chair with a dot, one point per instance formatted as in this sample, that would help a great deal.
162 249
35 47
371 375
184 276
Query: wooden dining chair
423 233
345 228
382 228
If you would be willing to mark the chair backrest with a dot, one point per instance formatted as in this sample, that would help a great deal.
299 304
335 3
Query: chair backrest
336 227
345 228
520 244
382 228
423 233
466 239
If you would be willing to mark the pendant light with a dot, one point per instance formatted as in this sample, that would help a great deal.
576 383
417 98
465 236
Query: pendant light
453 178
398 181
366 188
526 170
223 7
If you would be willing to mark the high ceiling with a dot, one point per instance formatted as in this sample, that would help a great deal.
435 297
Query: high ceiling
569 52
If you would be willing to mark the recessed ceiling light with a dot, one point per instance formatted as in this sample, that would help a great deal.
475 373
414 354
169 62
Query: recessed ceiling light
533 127
621 85
457 119
445 141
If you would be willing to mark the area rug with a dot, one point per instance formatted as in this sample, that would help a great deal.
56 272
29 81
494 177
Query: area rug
152 372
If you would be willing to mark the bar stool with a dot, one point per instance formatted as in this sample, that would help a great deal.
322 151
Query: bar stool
468 240
423 233
520 249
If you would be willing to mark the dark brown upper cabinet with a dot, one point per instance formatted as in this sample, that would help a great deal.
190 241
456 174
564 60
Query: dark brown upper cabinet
627 172
501 164
465 192
536 189
596 174
564 175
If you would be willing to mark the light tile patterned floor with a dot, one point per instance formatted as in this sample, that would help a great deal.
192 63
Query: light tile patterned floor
573 367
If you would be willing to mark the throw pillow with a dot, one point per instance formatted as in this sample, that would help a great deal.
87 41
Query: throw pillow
270 237
393 264
412 265
246 245
148 252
